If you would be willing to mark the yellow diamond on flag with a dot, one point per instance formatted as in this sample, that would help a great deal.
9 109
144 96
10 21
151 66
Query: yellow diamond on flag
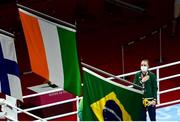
110 104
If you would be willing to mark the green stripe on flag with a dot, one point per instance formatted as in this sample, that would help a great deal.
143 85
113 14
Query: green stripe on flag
72 79
98 90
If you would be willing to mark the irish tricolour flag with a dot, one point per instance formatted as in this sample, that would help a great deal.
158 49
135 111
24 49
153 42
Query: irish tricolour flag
52 50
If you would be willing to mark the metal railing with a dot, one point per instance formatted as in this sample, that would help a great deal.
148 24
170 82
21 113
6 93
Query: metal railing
157 68
26 111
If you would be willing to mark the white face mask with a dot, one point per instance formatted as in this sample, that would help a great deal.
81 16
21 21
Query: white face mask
144 68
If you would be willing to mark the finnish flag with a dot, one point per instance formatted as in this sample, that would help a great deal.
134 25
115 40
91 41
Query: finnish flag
9 71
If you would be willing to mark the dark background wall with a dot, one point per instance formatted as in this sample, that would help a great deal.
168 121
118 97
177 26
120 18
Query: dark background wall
103 28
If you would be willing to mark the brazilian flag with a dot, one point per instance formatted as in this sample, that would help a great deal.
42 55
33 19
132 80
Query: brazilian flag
105 100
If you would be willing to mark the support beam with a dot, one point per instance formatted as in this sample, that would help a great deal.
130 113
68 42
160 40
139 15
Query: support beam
127 5
160 45
122 52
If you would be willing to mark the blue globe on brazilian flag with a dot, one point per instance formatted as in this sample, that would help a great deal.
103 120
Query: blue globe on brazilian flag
110 108
106 100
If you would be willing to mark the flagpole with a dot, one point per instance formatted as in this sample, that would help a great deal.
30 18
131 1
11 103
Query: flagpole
46 16
6 33
109 74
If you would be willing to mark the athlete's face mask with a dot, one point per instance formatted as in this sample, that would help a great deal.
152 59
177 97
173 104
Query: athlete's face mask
144 68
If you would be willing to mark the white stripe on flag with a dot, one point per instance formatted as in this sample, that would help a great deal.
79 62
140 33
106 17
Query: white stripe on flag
53 52
15 86
8 47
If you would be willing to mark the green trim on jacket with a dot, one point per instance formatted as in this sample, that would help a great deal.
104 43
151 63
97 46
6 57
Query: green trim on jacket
150 85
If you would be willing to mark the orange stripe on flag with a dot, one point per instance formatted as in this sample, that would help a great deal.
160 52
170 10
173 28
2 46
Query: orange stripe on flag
35 45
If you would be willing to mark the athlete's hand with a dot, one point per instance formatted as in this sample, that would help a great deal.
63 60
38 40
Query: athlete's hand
144 79
153 103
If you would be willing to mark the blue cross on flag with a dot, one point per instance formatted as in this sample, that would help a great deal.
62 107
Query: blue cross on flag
9 72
